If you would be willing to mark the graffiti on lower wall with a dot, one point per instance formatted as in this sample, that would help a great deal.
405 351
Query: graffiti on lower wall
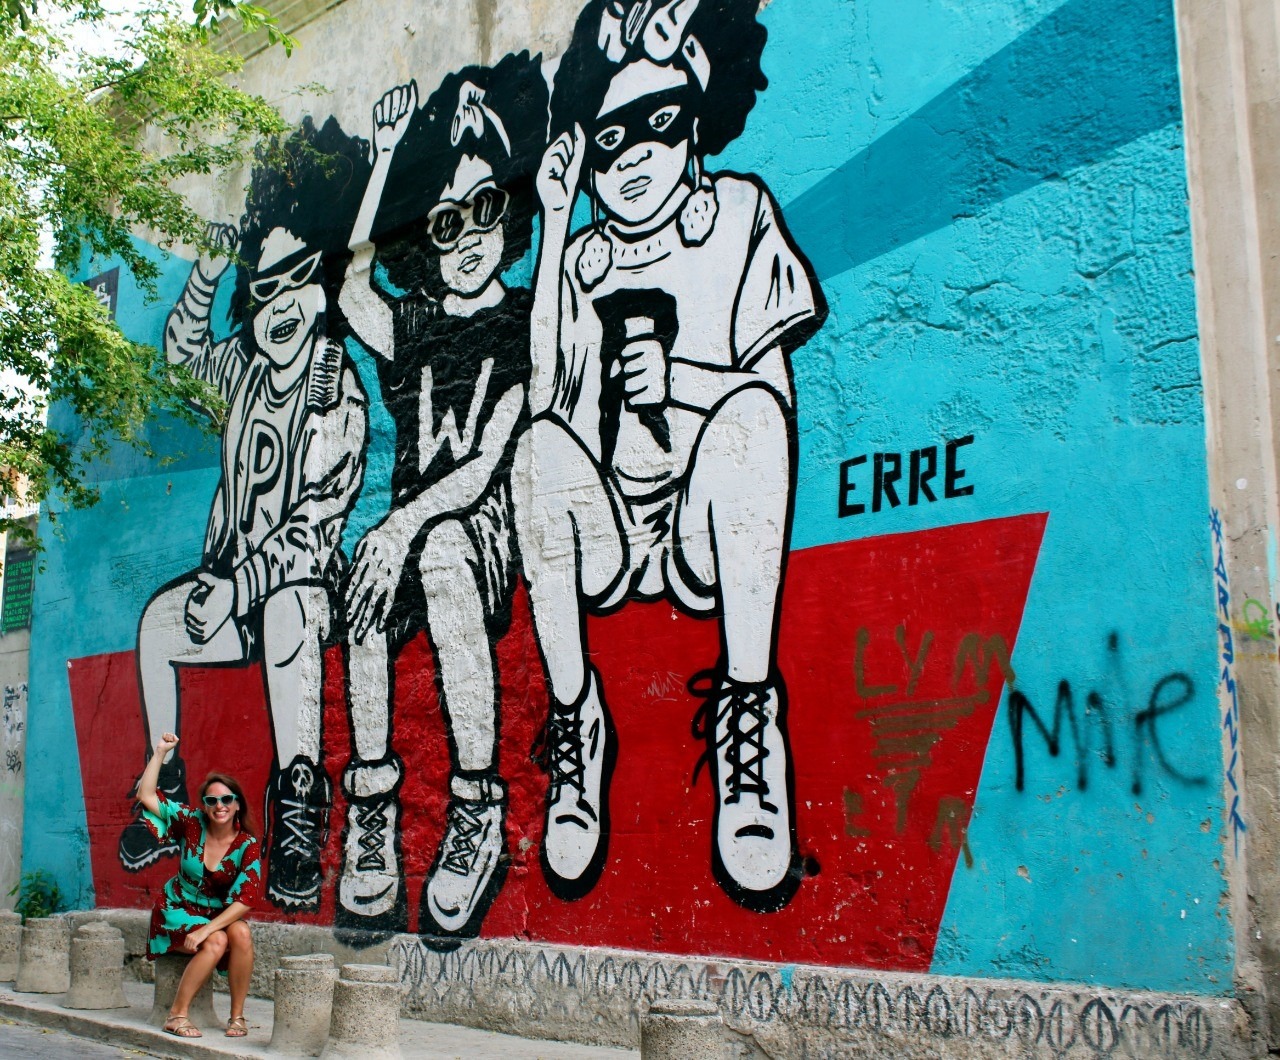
13 741
522 602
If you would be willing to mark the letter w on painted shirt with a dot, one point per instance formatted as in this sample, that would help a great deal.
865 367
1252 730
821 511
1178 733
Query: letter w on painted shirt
460 442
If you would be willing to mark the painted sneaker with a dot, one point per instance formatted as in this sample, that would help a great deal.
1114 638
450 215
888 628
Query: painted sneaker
470 864
298 800
139 846
578 750
371 902
753 852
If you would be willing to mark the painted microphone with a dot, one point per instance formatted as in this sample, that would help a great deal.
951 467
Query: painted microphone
629 316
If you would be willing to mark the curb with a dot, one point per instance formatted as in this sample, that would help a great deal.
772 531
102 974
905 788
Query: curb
105 1028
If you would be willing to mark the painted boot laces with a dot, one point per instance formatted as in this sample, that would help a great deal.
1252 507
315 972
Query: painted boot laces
741 723
471 862
577 751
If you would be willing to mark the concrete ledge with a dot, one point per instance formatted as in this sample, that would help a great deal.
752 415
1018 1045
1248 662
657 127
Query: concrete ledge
596 996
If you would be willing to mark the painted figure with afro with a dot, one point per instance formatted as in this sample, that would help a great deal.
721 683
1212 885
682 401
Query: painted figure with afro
662 452
293 451
448 208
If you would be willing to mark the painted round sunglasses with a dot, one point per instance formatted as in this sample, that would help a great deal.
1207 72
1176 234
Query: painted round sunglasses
448 221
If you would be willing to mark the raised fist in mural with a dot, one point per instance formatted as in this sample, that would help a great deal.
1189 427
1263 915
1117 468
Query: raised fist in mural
391 116
558 175
224 239
209 606
376 569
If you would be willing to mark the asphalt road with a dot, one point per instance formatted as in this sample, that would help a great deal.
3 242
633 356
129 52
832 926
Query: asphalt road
22 1041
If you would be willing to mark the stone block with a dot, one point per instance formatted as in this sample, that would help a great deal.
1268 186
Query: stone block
44 965
10 945
682 1030
366 1014
97 968
169 969
303 1004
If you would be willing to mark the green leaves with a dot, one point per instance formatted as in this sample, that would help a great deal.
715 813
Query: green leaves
94 142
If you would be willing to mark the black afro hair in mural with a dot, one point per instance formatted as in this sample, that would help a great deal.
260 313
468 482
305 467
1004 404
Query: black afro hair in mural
515 91
310 184
730 38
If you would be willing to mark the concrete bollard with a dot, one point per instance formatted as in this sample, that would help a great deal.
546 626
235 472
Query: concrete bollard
366 1014
303 1004
682 1030
10 945
97 968
169 969
44 964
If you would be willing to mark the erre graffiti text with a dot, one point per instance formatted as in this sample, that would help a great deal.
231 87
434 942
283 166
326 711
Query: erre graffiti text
903 478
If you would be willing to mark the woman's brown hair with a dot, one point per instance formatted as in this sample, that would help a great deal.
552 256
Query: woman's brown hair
244 816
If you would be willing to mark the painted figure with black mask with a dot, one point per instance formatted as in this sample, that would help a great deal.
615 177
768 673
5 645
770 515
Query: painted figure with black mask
451 341
661 456
292 464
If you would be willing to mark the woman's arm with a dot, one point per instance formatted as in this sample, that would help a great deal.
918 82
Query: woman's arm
235 911
147 795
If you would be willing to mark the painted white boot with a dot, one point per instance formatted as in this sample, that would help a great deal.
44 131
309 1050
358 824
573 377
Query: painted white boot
754 851
581 745
370 888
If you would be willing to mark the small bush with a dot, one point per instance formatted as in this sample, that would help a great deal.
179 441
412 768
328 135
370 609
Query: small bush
38 895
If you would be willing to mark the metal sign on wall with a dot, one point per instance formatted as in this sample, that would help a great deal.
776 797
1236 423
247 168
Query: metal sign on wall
19 580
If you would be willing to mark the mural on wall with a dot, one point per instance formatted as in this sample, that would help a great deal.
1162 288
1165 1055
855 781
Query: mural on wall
292 464
453 363
717 459
660 458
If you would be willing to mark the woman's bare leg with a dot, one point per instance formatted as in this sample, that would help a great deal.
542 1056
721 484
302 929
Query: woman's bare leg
199 968
239 964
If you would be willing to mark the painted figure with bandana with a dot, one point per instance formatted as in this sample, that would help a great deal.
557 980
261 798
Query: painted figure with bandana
448 208
661 459
293 450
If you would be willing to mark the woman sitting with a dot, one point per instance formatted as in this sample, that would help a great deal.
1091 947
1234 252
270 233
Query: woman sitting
201 910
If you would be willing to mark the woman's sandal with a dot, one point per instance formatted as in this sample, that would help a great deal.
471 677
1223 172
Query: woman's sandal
181 1027
237 1027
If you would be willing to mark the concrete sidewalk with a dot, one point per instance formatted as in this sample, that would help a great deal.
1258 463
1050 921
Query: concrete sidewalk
130 1027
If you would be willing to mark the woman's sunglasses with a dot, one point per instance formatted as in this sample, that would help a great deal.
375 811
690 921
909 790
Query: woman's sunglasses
448 221
214 800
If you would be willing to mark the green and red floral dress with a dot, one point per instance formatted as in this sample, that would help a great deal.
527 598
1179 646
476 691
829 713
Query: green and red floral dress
196 894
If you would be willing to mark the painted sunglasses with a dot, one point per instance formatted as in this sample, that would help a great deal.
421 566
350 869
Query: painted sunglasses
214 800
268 287
448 221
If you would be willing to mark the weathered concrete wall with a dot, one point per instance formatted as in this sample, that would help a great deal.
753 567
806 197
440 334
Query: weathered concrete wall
875 451
14 649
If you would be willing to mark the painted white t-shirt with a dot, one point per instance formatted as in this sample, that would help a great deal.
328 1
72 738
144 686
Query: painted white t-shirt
738 294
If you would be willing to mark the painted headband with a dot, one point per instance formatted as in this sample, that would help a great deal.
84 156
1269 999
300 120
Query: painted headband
656 31
471 115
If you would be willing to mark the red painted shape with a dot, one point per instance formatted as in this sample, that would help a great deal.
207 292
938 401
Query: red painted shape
888 742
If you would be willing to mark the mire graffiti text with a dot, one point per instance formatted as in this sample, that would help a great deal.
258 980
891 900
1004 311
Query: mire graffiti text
1097 729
